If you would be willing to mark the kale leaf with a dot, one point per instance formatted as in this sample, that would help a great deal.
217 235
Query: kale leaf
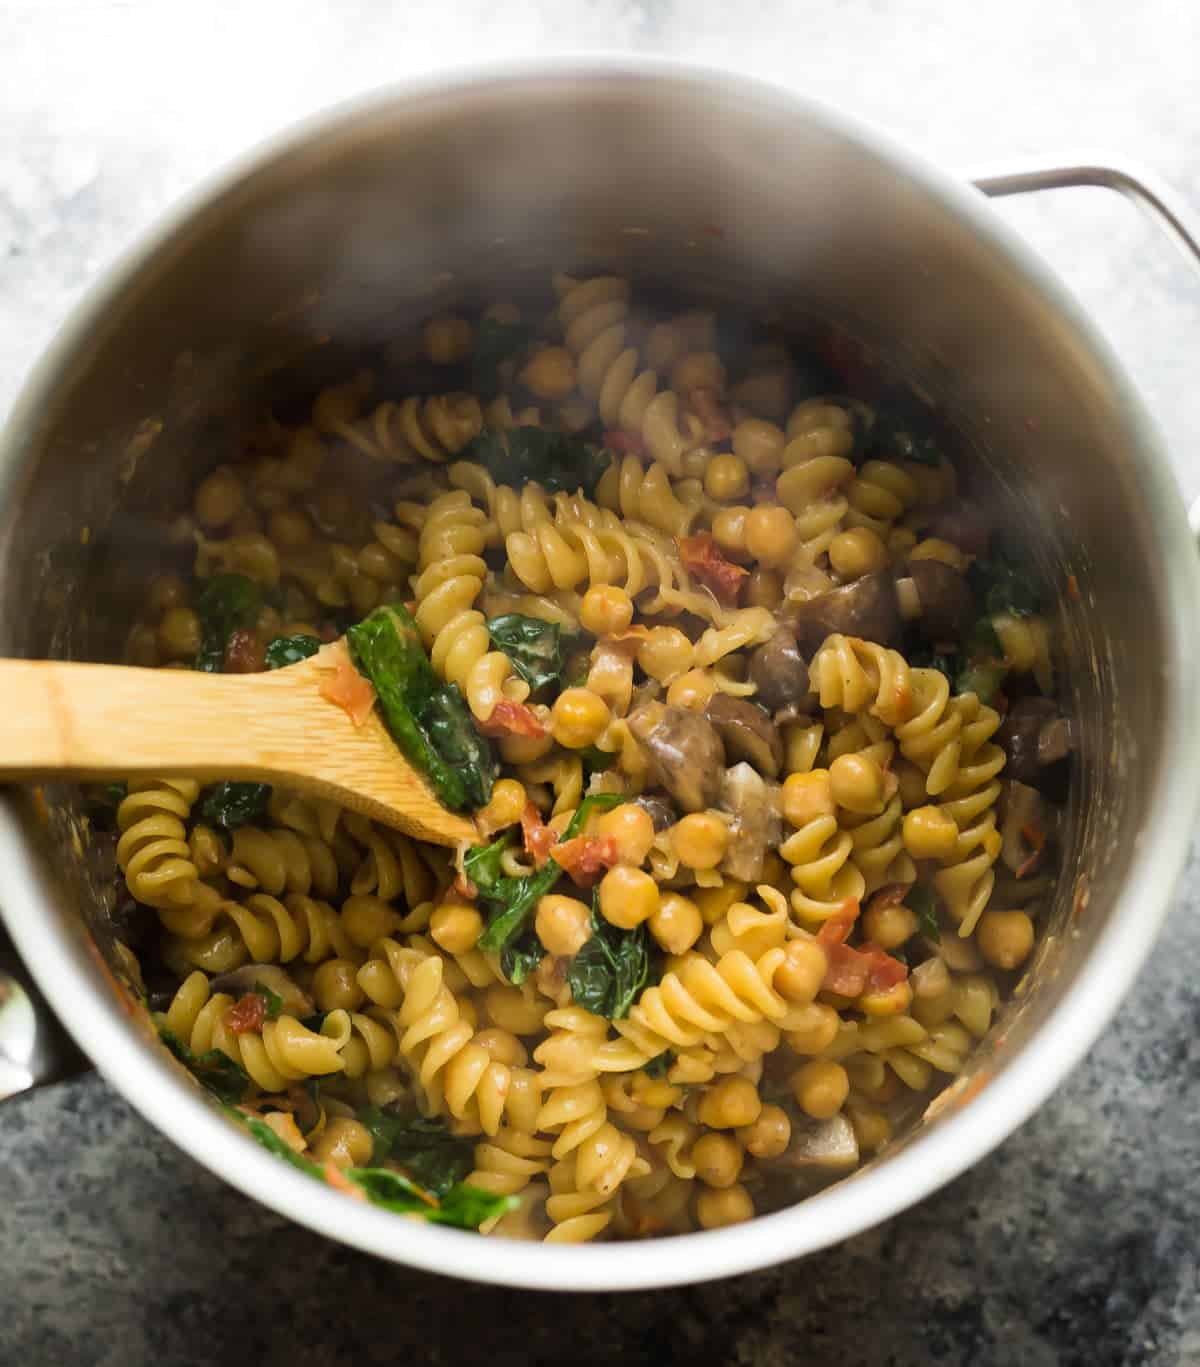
511 901
895 436
533 646
920 901
520 957
230 805
224 1077
273 999
495 342
429 1154
660 1064
227 603
609 971
429 720
556 460
1001 585
290 650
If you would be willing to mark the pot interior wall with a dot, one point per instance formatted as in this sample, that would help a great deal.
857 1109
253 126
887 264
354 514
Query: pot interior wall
294 273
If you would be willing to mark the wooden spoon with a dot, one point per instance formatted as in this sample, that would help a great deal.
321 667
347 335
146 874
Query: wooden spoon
88 721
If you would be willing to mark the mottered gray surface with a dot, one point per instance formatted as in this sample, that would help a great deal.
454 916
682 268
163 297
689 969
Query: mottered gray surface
1076 1241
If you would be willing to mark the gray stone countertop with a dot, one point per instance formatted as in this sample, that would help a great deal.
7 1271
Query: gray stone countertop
1076 1241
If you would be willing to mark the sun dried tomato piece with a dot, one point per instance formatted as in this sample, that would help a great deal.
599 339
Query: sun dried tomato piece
345 687
244 654
512 719
703 560
538 837
247 1014
711 412
585 857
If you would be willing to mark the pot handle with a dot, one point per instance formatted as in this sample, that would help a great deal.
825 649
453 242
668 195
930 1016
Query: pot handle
34 1048
1161 204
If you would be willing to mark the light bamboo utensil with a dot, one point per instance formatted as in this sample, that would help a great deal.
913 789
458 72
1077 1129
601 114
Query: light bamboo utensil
89 721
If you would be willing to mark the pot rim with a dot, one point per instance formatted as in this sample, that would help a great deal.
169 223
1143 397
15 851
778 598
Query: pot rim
66 971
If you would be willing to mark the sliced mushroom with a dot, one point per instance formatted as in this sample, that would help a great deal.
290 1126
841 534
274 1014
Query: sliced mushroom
757 822
962 524
1024 809
866 608
1019 734
778 672
686 757
748 733
239 981
822 1145
1054 741
945 598
661 812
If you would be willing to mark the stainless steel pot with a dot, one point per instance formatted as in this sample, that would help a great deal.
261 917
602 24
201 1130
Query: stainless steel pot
355 226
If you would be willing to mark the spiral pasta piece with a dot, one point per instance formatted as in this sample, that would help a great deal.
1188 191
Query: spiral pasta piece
152 851
432 429
279 861
282 1053
825 877
646 495
878 851
878 495
264 929
932 737
859 675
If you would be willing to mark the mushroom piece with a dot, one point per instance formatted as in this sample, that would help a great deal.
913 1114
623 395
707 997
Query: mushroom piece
1024 808
778 672
945 598
821 1146
1054 741
661 812
757 822
748 733
685 754
961 523
866 608
239 981
1019 735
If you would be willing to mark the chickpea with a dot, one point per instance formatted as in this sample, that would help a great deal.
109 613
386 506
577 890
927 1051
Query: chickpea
857 552
700 840
511 1009
820 1088
934 548
335 984
665 653
504 807
872 1128
628 896
760 444
698 370
605 609
529 749
764 589
889 927
179 634
717 1209
771 536
910 783
219 498
808 796
730 1104
929 833
447 339
856 782
631 829
726 477
290 529
891 1001
813 1029
677 924
366 919
166 592
455 927
580 717
1005 938
691 690
718 1159
563 924
344 1142
713 903
503 1046
770 1134
800 975
729 531
550 373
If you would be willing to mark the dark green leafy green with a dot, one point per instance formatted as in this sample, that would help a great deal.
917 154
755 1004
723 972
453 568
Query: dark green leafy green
429 720
290 650
1001 585
660 1064
224 1077
273 999
895 436
921 902
314 1022
462 1206
495 342
227 603
230 805
520 957
110 794
982 679
423 1146
925 657
533 646
508 901
595 760
611 968
556 460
